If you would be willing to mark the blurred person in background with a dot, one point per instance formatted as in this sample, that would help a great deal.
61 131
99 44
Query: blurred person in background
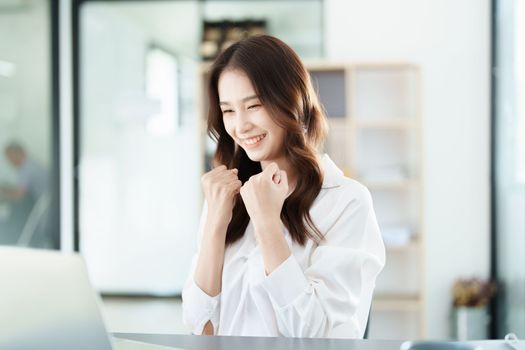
31 185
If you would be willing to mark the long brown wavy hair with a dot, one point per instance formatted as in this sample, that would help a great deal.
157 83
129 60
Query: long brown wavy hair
284 88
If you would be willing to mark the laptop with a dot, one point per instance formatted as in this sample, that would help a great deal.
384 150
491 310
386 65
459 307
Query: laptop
47 303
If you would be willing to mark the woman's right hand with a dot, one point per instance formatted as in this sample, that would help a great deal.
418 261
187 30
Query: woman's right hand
220 186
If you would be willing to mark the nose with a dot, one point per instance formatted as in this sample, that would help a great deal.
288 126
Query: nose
243 123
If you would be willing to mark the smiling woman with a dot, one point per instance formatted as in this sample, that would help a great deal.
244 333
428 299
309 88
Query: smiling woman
289 246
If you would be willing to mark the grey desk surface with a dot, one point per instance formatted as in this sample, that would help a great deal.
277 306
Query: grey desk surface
195 342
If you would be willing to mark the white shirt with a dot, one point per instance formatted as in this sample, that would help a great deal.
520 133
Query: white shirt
321 290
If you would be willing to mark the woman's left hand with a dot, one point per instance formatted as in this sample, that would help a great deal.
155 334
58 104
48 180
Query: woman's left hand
264 194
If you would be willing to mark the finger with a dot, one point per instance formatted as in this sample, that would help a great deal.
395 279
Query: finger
235 186
234 183
235 173
227 176
218 168
277 177
271 170
223 174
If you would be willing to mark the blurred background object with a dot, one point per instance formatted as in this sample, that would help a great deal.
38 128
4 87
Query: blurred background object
470 314
217 36
28 199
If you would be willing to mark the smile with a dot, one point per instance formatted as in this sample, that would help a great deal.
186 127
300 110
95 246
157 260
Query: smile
253 141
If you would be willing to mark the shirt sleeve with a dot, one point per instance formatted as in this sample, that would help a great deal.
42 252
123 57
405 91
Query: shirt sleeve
198 307
327 293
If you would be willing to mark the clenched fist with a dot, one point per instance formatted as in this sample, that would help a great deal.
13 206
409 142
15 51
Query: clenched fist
220 186
264 194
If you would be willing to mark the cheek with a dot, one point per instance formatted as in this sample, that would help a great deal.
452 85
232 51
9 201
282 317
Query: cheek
281 140
229 126
279 136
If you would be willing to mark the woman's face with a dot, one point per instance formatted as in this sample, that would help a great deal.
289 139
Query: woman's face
246 120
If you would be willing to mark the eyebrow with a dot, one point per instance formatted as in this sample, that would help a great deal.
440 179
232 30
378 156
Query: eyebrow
251 97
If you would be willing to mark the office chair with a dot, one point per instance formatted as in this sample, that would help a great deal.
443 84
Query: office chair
365 335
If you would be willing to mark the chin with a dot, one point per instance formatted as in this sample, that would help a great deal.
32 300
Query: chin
255 156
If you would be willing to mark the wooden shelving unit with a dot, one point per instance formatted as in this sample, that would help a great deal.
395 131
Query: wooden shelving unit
404 303
375 137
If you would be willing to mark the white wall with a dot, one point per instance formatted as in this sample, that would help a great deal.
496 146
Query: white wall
450 40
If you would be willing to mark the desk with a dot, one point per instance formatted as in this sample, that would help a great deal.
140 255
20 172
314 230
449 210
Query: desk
196 342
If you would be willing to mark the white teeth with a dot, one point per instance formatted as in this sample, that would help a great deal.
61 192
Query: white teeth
254 140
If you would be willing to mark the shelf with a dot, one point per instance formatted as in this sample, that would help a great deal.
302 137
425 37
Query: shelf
396 303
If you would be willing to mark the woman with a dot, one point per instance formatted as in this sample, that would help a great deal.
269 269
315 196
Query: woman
289 246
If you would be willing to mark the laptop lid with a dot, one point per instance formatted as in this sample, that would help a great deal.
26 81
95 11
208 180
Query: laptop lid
47 303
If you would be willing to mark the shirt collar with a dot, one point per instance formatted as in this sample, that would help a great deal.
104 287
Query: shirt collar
333 176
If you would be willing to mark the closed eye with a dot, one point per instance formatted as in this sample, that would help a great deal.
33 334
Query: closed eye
227 111
254 106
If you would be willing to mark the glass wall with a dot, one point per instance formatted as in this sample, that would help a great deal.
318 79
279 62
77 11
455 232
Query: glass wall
28 149
509 164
